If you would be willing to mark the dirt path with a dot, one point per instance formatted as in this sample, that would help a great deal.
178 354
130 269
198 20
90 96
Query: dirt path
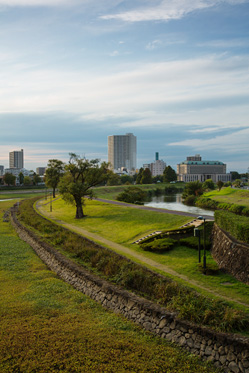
125 250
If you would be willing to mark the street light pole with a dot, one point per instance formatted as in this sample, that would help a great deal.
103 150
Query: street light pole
204 243
51 202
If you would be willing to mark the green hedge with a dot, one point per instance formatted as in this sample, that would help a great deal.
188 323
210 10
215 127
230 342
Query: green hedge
236 225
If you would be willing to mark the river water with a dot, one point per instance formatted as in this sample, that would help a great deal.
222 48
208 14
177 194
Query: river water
174 202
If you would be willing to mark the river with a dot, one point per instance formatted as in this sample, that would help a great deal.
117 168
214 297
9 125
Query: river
174 202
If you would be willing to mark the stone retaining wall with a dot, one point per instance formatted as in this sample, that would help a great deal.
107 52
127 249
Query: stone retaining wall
231 255
224 350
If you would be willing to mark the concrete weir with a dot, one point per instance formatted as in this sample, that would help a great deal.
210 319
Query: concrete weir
224 350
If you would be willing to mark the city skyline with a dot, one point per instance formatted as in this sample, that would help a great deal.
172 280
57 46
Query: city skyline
174 73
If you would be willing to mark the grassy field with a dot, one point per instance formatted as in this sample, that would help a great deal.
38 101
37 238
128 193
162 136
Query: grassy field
230 195
47 326
123 225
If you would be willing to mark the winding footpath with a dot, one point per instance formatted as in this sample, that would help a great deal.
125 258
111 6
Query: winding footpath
40 206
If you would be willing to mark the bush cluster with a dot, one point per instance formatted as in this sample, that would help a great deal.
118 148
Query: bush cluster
237 226
132 195
159 245
208 203
135 277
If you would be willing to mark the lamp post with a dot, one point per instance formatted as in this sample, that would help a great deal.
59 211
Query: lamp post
51 202
204 242
197 233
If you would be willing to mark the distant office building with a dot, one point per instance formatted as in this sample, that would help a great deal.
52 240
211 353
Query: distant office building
157 167
17 171
1 170
122 151
40 171
16 159
194 168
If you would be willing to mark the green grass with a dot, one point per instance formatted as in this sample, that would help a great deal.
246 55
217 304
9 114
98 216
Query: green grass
230 195
20 195
46 325
119 224
123 225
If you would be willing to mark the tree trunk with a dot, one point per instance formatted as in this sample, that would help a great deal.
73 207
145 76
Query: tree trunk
79 210
53 192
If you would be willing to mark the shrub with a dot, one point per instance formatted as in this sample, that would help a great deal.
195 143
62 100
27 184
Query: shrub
132 195
236 209
190 200
245 211
206 203
159 245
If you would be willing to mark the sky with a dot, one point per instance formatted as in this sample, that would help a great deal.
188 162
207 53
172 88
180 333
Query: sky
175 73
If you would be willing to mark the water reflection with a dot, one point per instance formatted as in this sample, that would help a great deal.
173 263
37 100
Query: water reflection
174 202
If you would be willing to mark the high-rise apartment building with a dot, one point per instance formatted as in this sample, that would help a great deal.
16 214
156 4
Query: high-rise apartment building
16 159
122 151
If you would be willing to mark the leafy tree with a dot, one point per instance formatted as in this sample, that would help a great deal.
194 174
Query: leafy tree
146 177
220 184
139 176
9 179
208 185
27 180
113 179
169 174
237 183
126 178
21 178
80 176
36 179
235 175
54 173
194 188
157 179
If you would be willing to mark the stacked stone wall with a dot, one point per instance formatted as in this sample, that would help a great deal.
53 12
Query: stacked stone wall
231 255
227 351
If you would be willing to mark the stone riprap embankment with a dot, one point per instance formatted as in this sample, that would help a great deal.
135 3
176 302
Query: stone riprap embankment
227 351
231 255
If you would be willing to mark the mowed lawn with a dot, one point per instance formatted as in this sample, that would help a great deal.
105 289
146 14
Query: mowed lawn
230 195
120 224
47 326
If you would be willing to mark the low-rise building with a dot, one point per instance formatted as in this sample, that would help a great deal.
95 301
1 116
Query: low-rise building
194 168
157 167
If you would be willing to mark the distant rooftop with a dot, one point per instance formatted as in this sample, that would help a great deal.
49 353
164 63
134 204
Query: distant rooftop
203 163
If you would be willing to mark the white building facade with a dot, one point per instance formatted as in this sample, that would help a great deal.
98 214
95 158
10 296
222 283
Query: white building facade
16 159
194 168
122 151
157 167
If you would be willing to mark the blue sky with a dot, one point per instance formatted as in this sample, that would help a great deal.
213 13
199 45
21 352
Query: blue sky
174 73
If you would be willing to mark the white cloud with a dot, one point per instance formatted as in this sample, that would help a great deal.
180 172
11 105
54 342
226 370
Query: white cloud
228 144
20 3
168 10
208 90
153 45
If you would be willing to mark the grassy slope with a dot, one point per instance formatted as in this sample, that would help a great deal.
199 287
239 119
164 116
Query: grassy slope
230 195
46 325
124 225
